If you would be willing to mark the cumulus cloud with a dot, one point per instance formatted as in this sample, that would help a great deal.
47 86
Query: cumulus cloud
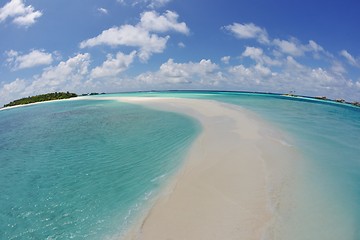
147 3
16 86
293 76
292 46
102 10
249 76
153 22
132 36
258 55
351 60
157 3
64 76
181 45
313 46
357 84
286 75
74 74
172 72
113 65
276 67
289 47
16 61
248 31
141 35
12 90
338 68
225 59
19 13
295 48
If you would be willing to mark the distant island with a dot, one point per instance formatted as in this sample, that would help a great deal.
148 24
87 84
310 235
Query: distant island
42 98
66 95
292 94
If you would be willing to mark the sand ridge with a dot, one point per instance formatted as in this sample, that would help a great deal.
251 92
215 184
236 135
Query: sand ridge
226 188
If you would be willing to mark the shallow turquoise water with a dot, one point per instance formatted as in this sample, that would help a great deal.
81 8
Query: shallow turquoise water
84 169
55 185
325 200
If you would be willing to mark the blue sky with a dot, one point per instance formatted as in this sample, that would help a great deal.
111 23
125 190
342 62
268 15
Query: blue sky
310 47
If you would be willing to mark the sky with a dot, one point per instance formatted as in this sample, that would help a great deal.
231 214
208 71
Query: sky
305 47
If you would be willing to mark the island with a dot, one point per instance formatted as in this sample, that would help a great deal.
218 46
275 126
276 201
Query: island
42 98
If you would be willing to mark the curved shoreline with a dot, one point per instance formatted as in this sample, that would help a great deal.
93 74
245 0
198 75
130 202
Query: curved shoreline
232 179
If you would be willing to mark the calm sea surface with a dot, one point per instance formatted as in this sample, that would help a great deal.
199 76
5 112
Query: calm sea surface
84 169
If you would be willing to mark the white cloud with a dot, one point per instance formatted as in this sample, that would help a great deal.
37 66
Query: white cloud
357 84
225 59
66 76
257 54
131 36
12 90
295 48
262 70
102 10
338 68
113 66
16 86
147 3
248 31
19 13
181 45
289 47
292 47
313 46
140 35
153 22
248 77
32 59
253 52
157 3
293 76
172 72
72 75
351 60
75 75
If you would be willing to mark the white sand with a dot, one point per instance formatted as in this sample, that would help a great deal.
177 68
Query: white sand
231 181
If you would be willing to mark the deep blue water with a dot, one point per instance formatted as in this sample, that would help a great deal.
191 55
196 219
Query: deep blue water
84 169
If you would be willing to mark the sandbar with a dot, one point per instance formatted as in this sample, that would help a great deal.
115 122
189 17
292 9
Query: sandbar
231 182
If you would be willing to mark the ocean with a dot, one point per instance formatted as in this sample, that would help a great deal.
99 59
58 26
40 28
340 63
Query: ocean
324 200
86 169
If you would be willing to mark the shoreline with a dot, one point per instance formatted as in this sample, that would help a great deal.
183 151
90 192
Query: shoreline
231 181
35 103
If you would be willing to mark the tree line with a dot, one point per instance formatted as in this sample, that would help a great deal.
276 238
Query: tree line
42 98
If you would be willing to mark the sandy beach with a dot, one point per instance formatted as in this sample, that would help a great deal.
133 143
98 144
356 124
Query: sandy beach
231 181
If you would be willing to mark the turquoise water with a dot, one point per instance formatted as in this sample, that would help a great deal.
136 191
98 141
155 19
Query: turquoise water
84 169
324 202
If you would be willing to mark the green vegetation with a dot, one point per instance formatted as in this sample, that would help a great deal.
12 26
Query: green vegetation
41 98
